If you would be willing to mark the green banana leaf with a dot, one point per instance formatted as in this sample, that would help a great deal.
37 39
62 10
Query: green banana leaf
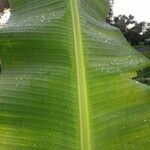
66 80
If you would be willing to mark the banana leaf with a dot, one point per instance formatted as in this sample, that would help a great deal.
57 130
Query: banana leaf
66 80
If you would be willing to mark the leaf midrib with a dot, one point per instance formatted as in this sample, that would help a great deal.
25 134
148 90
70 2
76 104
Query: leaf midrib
82 91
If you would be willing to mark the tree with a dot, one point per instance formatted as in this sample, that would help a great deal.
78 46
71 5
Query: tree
122 22
109 18
3 4
146 37
134 34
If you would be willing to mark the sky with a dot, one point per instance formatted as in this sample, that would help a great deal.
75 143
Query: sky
140 9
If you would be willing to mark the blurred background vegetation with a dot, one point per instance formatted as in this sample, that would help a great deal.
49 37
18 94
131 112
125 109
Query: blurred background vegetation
137 34
4 4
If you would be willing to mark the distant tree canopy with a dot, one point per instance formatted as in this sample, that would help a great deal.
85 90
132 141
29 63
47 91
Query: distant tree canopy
133 31
146 36
3 4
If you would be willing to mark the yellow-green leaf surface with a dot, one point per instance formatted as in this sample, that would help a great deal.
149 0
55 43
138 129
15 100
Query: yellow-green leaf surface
66 80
